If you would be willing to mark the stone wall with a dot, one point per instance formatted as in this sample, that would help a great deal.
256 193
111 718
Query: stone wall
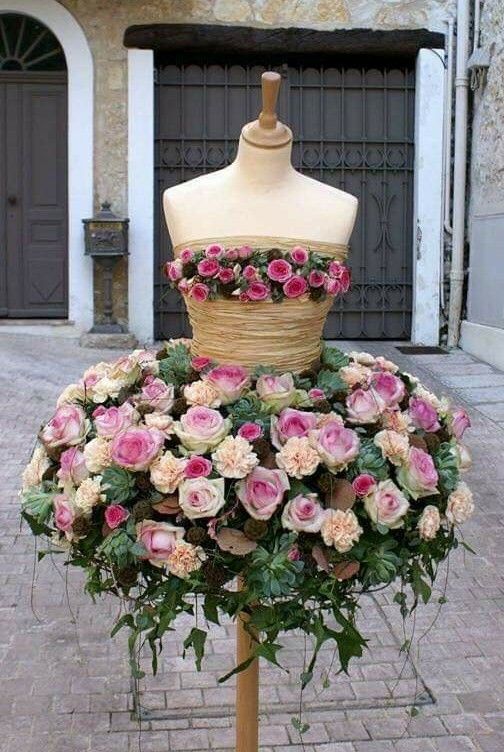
104 24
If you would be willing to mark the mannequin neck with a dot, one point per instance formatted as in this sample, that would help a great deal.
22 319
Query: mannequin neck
262 165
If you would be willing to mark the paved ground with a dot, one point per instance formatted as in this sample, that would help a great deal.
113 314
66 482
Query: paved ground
65 685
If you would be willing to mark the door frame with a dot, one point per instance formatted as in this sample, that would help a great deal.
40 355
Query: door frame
80 145
427 191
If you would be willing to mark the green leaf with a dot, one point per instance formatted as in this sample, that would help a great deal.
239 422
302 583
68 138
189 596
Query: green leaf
118 548
37 528
38 503
196 639
331 383
371 461
301 726
176 367
126 620
268 650
446 461
210 609
467 547
118 484
334 358
236 670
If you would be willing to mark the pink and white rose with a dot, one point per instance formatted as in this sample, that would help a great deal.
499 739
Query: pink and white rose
250 431
186 256
299 255
423 415
200 362
303 514
316 278
158 539
111 420
390 388
157 394
201 429
64 512
214 251
67 427
418 476
291 423
262 491
364 406
136 448
197 467
276 391
73 469
386 505
229 381
201 497
460 420
336 445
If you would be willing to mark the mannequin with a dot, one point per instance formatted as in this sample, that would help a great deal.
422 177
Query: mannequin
260 194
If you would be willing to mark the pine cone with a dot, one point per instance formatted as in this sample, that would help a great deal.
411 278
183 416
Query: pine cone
308 373
193 376
255 529
274 254
215 575
323 406
144 408
179 407
196 535
81 526
432 442
262 448
126 577
142 510
325 482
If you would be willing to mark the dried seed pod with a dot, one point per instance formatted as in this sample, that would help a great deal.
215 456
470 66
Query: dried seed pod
234 542
262 448
196 535
344 570
255 529
432 442
127 576
142 510
325 481
179 407
341 495
419 442
323 406
81 526
216 575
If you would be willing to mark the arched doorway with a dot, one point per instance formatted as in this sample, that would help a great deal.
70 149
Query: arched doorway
33 170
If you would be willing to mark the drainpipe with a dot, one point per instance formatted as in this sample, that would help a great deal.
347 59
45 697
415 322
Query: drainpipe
459 172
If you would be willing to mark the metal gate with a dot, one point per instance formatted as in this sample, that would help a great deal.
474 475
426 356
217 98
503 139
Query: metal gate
353 129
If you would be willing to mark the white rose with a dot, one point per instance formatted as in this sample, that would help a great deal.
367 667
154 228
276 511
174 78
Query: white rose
71 394
201 497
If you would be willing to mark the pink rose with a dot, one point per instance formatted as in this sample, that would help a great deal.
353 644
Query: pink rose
136 448
299 255
341 273
262 491
258 291
316 394
208 267
200 362
64 514
72 467
226 275
276 391
201 497
110 420
186 256
183 286
250 431
303 514
294 554
201 429
156 393
279 270
332 286
295 287
460 420
389 387
423 415
231 254
418 476
243 297
245 251
115 514
316 278
336 445
364 406
67 427
173 270
214 251
229 381
386 505
197 467
159 540
290 423
363 484
199 292
250 272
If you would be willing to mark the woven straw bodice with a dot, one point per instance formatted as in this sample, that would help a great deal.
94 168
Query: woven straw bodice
285 335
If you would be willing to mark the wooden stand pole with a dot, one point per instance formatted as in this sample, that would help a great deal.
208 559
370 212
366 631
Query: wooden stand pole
247 692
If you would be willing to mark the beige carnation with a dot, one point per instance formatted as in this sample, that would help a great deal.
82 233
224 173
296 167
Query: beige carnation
89 494
163 423
464 457
71 394
397 421
324 418
364 358
394 446
97 455
340 529
234 457
297 457
167 472
354 374
460 504
386 365
35 469
429 522
202 393
184 559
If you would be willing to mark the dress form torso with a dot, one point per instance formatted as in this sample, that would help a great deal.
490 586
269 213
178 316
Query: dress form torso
260 194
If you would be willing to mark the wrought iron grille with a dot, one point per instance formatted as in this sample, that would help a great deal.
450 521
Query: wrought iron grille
353 129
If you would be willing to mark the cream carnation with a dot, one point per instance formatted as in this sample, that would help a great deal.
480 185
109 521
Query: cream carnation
234 457
422 393
167 472
35 469
460 504
202 393
161 421
97 455
429 522
395 420
394 446
340 529
89 494
72 393
354 374
364 358
297 457
185 559
106 388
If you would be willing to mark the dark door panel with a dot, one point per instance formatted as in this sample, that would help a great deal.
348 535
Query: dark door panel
353 129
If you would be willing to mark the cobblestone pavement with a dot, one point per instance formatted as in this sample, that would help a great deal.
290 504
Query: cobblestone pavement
65 684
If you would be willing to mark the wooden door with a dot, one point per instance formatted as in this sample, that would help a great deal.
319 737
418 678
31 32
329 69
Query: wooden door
33 194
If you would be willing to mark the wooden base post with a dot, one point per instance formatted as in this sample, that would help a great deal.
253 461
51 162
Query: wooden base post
247 692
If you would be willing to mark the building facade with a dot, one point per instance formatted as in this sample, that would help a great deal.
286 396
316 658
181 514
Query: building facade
146 94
